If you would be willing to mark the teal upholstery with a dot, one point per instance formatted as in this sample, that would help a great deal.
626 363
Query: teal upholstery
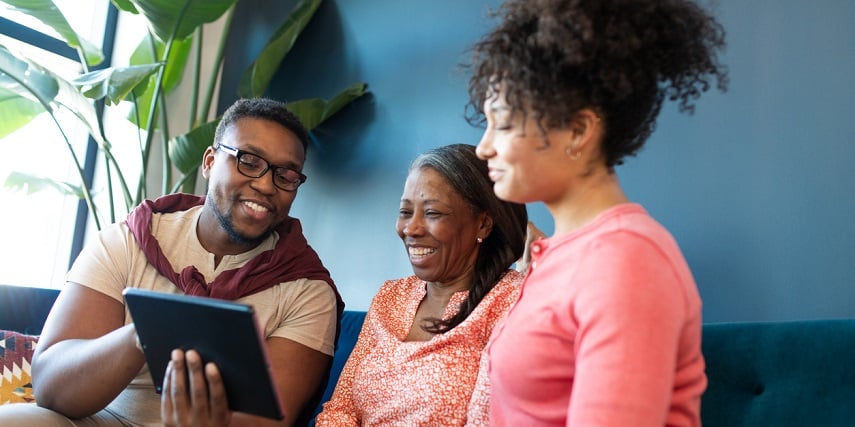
780 374
24 309
777 374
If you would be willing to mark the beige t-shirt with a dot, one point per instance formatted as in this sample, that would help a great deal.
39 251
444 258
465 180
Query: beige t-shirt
303 310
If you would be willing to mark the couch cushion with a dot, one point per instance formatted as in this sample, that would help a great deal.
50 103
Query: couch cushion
793 373
16 353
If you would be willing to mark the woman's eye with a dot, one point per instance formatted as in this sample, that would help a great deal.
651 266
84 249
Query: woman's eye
503 127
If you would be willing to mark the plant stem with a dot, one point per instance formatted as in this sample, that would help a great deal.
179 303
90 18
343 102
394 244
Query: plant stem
197 71
109 176
87 195
123 185
156 95
218 63
164 141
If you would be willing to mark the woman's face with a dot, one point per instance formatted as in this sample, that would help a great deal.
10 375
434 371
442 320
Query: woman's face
525 164
439 229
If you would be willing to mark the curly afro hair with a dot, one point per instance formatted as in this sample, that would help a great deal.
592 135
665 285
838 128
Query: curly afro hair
621 58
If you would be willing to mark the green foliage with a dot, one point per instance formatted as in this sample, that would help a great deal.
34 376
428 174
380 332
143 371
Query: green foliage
32 183
156 68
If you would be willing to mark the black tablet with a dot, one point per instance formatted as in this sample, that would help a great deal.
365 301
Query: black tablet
223 332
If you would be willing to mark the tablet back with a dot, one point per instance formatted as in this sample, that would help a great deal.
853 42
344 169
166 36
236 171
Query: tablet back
223 332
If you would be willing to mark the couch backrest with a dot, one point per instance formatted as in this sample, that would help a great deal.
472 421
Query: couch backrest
796 373
760 374
351 324
25 309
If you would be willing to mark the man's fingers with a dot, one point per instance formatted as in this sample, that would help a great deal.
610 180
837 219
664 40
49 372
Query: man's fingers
165 396
217 393
198 385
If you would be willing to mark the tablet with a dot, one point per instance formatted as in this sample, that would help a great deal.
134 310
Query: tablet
223 332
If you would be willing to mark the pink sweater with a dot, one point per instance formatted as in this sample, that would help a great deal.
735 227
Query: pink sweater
607 331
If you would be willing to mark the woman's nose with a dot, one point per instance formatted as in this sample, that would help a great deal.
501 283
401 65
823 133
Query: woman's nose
414 227
484 149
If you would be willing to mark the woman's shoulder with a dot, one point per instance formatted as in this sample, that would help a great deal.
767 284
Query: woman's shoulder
507 288
399 289
511 279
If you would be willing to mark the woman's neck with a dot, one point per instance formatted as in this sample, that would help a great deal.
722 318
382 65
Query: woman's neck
585 199
434 304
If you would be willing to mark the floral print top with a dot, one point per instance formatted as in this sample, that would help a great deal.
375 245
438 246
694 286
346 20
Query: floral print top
388 381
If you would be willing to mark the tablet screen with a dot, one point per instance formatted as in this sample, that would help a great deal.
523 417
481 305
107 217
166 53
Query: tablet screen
223 332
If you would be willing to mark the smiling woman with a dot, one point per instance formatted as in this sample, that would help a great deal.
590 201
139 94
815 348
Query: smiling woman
417 360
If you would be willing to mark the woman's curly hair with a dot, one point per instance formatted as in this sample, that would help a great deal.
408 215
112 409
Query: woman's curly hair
621 58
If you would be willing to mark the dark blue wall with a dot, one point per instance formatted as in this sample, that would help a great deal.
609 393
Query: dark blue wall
757 186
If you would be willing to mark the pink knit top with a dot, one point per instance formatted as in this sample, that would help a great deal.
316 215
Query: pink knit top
606 332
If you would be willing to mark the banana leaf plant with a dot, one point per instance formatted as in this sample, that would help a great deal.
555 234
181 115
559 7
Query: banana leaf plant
28 89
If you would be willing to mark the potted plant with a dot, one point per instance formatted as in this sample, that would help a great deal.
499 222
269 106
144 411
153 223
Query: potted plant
154 71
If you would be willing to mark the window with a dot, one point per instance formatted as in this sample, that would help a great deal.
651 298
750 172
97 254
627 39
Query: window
38 230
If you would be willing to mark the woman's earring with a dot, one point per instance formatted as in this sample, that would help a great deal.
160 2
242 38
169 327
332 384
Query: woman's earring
479 240
569 150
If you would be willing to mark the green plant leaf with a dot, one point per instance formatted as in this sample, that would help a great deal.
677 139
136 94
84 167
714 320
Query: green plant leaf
114 83
125 5
25 92
140 106
162 16
186 150
19 181
47 12
312 112
26 79
32 81
175 65
16 111
256 78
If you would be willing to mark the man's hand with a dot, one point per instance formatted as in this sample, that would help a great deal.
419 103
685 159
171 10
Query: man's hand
193 394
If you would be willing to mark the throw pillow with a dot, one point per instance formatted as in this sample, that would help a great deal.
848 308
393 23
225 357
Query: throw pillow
16 353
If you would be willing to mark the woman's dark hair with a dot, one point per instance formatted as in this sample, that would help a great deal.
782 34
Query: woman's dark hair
265 109
621 58
467 174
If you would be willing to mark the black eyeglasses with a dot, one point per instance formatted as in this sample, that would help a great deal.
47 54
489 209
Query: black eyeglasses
253 166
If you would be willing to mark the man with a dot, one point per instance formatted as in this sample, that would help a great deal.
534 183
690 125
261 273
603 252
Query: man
236 243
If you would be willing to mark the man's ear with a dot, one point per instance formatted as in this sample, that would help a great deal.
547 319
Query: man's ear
208 161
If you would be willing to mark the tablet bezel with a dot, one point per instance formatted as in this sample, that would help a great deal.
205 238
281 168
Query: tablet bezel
223 332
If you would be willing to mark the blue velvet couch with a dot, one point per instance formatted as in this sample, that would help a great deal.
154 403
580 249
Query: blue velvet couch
781 374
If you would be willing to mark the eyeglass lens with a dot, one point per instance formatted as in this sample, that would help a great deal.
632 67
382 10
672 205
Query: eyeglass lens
254 167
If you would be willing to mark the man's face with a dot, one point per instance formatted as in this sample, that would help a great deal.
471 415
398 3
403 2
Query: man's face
248 209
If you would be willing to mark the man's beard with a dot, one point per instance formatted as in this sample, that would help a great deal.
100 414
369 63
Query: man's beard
228 225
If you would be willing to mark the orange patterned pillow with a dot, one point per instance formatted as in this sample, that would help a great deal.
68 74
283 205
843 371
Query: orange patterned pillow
16 353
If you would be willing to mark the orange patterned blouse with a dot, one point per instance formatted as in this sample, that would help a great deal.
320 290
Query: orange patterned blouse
387 381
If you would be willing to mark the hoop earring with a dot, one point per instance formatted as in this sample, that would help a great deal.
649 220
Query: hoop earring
573 156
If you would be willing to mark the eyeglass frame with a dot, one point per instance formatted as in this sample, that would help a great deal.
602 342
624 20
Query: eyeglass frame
238 153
